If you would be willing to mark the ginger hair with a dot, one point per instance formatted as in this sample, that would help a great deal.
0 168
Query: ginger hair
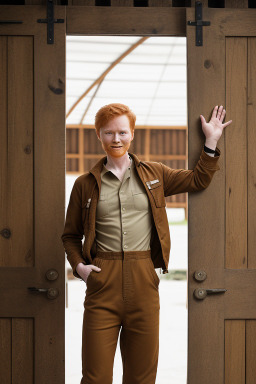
110 111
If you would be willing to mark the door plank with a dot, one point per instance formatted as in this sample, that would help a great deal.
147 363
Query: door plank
251 123
22 350
6 350
4 245
235 352
250 351
20 152
236 153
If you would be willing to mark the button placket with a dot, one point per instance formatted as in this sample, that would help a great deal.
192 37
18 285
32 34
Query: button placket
124 194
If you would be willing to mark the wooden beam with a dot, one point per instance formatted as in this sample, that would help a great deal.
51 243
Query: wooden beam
121 3
81 150
160 3
175 204
83 2
236 3
147 144
157 21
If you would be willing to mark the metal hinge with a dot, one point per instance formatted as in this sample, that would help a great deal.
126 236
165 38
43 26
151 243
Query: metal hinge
50 21
199 23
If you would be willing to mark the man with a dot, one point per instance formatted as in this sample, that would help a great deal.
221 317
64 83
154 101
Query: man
119 207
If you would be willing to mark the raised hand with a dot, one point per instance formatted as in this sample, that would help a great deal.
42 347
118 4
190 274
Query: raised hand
213 130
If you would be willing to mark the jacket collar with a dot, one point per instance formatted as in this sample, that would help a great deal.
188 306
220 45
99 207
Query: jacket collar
97 168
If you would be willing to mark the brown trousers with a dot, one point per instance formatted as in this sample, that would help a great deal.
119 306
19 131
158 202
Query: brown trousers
123 295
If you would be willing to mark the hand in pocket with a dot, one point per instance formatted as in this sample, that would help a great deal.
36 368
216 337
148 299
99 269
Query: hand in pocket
85 270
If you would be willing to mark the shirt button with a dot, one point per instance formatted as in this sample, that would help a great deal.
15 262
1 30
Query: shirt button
125 246
124 232
123 209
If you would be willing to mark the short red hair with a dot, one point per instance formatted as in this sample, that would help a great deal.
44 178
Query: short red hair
110 111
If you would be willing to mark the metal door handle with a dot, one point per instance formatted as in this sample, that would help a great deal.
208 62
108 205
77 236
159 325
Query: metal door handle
52 293
201 293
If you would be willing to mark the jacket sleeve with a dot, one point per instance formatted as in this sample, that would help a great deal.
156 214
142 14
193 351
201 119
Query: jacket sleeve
73 230
182 180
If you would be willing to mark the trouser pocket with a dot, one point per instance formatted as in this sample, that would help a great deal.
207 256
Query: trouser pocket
95 278
153 273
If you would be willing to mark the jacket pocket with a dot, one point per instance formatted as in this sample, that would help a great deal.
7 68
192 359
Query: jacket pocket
156 190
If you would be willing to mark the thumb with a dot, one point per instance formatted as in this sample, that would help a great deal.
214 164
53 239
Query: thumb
97 269
202 119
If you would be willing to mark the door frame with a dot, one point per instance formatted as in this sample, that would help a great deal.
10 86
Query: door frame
126 21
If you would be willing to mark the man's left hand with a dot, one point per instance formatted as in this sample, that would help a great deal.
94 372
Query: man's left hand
213 130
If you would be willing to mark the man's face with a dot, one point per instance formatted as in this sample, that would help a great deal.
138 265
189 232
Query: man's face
116 136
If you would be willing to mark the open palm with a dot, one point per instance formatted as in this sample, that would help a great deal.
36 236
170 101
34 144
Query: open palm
213 130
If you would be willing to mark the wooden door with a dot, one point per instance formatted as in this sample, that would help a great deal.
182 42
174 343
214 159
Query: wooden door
32 158
222 218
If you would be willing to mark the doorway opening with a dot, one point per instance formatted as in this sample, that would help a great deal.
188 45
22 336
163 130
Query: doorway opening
149 74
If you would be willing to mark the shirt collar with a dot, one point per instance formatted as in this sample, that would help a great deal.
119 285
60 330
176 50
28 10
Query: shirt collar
105 170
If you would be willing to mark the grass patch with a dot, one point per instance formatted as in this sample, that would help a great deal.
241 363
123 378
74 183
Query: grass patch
183 222
178 274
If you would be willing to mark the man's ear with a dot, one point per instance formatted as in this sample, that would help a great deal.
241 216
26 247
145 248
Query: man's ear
98 135
132 136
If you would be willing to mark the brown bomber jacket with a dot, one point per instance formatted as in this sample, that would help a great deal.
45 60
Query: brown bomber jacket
81 211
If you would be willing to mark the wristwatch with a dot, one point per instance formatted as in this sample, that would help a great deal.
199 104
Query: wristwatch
209 150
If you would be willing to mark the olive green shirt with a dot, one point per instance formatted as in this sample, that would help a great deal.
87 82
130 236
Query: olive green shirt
123 215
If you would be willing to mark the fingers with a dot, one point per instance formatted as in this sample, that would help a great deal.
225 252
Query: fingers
95 268
214 113
226 124
221 112
222 115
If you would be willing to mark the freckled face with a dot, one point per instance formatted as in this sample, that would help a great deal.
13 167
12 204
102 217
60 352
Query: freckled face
116 136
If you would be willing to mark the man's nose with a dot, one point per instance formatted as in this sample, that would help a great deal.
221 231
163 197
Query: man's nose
116 138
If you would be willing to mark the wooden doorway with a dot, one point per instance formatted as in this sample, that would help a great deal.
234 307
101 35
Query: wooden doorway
221 219
151 80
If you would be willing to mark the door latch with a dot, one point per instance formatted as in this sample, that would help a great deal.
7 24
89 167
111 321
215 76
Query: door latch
201 293
52 293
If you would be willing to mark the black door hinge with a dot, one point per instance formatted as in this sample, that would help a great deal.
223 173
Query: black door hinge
50 21
199 23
